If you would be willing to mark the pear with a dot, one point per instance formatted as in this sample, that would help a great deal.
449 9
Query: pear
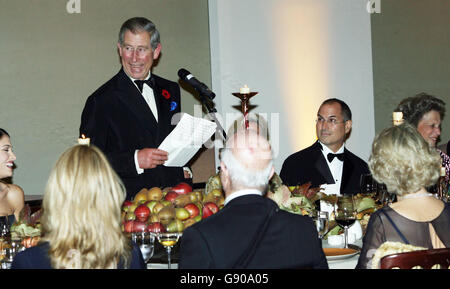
155 194
182 214
167 215
182 200
189 222
175 226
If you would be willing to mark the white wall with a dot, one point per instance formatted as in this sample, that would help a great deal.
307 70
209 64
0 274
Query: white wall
295 54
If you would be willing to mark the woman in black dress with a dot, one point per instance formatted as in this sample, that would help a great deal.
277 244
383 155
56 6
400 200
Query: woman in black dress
404 161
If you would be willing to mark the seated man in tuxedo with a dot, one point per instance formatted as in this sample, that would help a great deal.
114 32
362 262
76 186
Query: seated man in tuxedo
327 161
250 231
130 115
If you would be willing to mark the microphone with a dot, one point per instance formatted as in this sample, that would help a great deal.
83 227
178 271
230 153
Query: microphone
199 86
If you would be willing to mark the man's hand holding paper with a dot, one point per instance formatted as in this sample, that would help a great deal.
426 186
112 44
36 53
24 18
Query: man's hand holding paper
186 139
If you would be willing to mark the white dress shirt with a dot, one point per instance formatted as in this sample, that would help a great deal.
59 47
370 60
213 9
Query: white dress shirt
336 167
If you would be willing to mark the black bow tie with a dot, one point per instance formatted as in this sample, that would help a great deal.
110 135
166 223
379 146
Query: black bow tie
140 83
331 156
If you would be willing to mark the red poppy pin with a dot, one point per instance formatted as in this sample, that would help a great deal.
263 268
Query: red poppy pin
166 94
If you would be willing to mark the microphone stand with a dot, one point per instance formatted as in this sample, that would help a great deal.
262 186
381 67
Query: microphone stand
212 111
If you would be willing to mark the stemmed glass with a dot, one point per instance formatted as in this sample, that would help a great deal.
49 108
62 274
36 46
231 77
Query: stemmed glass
146 242
168 240
320 219
345 213
367 184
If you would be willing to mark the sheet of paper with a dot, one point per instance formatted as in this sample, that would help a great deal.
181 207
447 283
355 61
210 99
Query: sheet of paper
186 139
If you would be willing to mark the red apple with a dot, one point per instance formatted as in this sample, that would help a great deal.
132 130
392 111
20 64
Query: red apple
139 227
126 205
156 227
206 212
192 209
128 226
182 188
142 212
212 206
171 196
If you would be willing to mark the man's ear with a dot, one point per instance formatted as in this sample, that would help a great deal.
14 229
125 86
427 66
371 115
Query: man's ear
348 126
224 176
119 49
271 173
157 51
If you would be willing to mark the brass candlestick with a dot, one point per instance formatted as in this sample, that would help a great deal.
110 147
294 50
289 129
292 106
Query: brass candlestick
245 97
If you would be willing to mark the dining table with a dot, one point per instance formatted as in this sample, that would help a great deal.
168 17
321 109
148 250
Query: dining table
159 259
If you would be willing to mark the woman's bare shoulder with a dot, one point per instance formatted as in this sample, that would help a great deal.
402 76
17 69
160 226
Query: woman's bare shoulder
15 193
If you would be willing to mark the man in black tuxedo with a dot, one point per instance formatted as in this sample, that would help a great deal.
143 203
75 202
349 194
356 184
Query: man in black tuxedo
250 231
130 115
327 161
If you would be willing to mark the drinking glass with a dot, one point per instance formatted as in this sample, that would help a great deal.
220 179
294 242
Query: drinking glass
168 240
146 242
367 184
321 221
345 212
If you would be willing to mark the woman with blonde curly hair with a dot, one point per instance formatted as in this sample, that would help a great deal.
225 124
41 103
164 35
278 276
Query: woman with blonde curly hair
405 162
81 225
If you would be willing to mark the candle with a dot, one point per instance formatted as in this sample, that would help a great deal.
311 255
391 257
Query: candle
244 90
84 140
397 117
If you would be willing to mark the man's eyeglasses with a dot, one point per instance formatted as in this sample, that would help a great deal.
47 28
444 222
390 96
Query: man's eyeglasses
331 121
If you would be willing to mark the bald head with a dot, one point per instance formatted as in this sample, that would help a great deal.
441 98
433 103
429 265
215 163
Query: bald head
246 161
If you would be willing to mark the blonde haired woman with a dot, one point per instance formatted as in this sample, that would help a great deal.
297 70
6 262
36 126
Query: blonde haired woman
11 196
81 217
404 161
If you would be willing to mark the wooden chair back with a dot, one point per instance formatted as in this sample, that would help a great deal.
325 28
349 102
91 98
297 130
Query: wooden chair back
426 259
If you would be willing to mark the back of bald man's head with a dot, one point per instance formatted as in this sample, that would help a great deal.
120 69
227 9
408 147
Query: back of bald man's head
251 149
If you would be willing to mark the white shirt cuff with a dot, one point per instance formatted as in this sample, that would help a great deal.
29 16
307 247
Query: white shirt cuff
188 170
138 169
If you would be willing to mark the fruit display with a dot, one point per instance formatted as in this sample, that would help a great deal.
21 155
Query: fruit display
170 209
301 200
294 199
27 228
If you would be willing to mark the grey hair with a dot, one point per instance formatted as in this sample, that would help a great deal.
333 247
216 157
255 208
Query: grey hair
241 176
139 24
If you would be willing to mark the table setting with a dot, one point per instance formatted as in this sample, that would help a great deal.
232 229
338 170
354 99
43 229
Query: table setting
340 220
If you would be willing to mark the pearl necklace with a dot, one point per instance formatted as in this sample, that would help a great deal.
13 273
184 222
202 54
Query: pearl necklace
418 195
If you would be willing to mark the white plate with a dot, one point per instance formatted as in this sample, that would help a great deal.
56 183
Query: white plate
161 266
341 253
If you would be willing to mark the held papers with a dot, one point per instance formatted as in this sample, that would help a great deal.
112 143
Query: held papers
186 139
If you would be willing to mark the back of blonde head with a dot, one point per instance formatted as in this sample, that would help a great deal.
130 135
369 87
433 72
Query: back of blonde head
81 212
403 160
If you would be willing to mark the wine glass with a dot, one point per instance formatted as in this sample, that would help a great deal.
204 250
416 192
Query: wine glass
146 242
321 221
168 240
345 213
367 184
